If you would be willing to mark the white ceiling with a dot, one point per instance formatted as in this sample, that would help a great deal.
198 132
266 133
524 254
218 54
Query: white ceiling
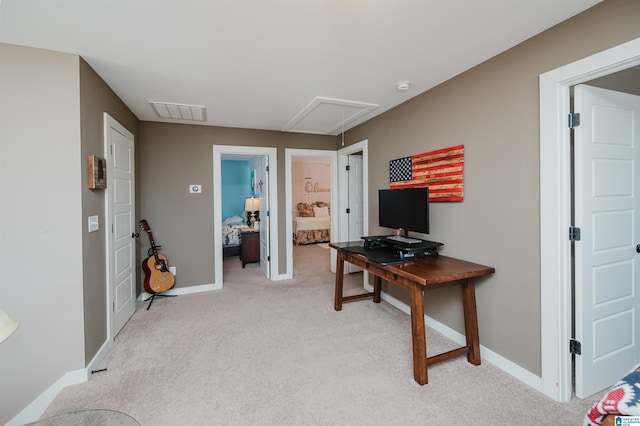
295 65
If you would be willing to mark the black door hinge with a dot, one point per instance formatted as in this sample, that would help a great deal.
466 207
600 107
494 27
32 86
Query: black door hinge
348 211
574 233
348 167
574 120
575 347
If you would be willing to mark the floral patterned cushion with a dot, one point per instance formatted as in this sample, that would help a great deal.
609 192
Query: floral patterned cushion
305 210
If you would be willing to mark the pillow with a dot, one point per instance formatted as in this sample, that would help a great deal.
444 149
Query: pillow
304 210
233 220
321 211
322 204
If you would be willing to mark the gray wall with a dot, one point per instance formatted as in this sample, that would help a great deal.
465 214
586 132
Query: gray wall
95 99
172 156
53 270
40 222
493 109
47 259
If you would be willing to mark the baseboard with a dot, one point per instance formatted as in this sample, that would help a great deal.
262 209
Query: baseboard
33 411
486 354
182 290
281 277
200 288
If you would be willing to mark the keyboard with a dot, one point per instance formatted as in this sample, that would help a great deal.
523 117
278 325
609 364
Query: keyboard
405 240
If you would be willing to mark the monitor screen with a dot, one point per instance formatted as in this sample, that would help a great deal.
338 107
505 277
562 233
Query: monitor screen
406 208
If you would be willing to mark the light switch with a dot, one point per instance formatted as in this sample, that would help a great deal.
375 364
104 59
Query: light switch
195 189
94 223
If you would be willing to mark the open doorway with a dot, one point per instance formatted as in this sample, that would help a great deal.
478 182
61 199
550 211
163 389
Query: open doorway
240 204
260 163
311 201
555 208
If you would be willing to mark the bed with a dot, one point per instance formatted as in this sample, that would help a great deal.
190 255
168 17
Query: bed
312 223
231 227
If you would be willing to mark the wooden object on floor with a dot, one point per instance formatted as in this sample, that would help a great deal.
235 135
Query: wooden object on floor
230 250
417 276
249 247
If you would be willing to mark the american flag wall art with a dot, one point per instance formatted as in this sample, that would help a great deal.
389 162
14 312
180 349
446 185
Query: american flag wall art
441 170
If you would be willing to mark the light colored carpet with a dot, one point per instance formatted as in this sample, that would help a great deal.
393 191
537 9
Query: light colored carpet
276 353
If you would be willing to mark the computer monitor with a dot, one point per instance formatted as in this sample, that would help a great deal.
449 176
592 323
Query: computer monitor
406 209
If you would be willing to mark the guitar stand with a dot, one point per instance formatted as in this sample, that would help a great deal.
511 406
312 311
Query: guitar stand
153 296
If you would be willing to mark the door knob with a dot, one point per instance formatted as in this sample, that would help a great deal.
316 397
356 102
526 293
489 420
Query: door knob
135 235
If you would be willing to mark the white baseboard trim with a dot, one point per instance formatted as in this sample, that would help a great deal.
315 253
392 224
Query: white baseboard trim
281 277
98 357
201 288
33 411
182 290
486 354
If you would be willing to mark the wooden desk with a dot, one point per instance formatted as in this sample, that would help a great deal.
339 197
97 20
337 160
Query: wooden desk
417 276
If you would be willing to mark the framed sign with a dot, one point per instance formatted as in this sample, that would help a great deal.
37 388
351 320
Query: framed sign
97 172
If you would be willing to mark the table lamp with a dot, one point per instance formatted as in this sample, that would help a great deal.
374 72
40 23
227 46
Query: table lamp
8 324
252 205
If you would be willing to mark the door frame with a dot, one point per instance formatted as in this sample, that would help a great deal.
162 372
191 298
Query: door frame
289 154
343 201
218 151
109 122
555 208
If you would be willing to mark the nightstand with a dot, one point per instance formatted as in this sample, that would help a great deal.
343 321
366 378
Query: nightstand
249 246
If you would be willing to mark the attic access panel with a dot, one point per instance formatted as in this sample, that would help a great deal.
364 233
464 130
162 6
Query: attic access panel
327 116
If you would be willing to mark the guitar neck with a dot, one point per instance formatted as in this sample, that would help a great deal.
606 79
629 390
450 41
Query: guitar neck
154 249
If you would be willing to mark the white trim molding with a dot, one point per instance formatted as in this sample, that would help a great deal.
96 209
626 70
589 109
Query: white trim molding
332 157
218 151
555 208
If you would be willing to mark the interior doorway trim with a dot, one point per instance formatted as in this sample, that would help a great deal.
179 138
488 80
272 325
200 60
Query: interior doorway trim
343 181
555 208
343 200
332 157
218 151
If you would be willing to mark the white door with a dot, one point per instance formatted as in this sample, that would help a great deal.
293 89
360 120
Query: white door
355 204
262 186
120 222
606 209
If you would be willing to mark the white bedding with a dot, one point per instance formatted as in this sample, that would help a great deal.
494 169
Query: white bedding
311 223
231 230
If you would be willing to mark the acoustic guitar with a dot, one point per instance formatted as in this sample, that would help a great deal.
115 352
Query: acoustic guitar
158 277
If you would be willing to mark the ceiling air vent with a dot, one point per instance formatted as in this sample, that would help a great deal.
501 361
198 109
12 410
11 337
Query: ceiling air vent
178 111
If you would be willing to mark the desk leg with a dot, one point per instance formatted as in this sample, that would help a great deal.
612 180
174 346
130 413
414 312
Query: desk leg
377 288
471 320
418 334
337 302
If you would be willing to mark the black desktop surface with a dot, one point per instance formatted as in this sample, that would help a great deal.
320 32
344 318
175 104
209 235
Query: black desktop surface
382 255
380 249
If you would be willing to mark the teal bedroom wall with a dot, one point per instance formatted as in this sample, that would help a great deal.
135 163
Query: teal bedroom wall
235 185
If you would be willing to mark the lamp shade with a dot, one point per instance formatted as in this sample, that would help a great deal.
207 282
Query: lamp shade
252 204
8 324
